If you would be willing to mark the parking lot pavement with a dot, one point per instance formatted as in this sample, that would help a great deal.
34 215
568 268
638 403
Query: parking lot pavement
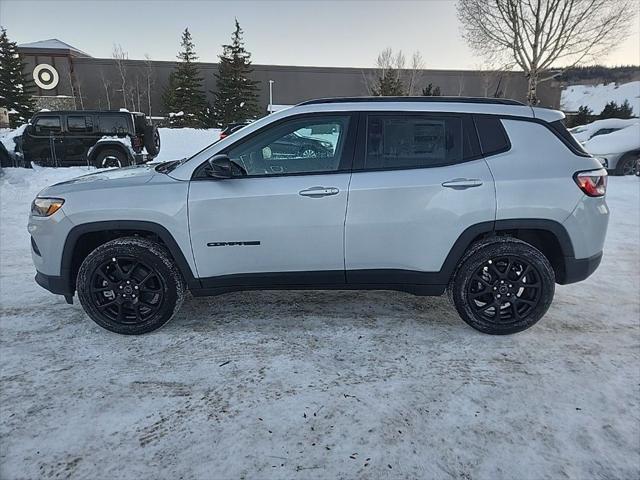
321 384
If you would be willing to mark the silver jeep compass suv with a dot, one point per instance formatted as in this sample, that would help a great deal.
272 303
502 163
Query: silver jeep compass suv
489 199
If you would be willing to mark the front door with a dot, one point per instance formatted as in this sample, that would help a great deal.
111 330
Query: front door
43 141
417 185
282 222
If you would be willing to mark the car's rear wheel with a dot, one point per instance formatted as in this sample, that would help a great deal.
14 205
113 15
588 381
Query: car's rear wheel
111 157
130 286
503 286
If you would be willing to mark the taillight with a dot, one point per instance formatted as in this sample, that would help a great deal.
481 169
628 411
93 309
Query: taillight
593 183
222 135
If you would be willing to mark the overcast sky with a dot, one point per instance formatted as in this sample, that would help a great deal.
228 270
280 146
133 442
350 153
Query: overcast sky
324 33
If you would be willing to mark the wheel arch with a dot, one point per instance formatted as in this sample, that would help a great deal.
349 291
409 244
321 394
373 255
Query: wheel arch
84 238
100 146
548 236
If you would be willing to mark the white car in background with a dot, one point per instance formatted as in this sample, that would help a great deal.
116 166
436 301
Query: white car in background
582 133
619 151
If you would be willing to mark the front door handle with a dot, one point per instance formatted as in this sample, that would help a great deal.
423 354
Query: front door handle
318 192
462 183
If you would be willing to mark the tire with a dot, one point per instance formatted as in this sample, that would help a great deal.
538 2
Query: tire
507 272
627 165
151 140
111 157
130 286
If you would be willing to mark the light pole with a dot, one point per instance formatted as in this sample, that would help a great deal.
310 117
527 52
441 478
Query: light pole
271 96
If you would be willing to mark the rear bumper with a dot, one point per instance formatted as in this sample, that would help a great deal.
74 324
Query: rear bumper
578 269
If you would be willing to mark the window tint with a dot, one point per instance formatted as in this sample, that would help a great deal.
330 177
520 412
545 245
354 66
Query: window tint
298 146
493 138
79 124
47 125
397 141
113 124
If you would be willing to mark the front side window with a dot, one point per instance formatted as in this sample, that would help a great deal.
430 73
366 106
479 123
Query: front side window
309 145
414 141
47 125
113 125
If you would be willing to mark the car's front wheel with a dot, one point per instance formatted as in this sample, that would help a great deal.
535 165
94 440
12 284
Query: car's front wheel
503 285
130 286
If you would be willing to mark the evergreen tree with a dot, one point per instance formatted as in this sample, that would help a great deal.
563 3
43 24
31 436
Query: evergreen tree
16 88
184 98
236 95
582 117
431 91
388 84
613 110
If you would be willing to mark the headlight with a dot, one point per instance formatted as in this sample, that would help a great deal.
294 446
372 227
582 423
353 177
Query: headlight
45 207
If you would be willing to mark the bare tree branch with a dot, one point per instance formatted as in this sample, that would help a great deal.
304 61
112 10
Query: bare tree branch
536 34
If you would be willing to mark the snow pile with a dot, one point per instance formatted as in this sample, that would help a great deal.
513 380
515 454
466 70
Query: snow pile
597 96
582 133
177 143
7 135
615 142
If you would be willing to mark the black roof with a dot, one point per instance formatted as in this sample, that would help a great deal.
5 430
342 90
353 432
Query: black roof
475 100
85 112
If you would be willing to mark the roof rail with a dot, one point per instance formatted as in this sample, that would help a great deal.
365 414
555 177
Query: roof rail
483 100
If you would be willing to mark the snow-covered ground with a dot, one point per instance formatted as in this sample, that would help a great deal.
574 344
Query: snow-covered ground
320 385
597 96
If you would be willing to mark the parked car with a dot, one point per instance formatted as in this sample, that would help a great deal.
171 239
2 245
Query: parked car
618 151
488 199
81 137
232 127
582 133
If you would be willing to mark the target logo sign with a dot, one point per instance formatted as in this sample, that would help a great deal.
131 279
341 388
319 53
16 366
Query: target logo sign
45 76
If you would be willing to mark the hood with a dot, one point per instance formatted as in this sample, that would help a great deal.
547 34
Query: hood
110 178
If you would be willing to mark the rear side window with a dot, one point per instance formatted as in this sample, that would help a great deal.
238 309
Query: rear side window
113 124
568 139
493 138
47 125
79 124
416 141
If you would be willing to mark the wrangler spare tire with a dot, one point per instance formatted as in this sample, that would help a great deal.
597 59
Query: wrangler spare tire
151 140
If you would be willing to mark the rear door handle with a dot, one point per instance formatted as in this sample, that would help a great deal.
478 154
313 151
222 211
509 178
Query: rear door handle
318 192
462 183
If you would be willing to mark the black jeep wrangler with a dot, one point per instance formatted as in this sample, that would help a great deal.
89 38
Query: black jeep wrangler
86 137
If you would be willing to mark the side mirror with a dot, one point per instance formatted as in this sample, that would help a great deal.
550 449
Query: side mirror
220 166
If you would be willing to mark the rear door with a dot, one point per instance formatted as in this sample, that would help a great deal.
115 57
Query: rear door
79 138
418 183
283 222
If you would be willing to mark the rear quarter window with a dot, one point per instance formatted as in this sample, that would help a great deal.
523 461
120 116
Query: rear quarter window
113 124
492 135
569 140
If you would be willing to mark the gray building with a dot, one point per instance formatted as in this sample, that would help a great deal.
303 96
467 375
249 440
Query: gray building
66 77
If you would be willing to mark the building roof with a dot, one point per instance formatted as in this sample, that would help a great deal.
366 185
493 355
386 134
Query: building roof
51 46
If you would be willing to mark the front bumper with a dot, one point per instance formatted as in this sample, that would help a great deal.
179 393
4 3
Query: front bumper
58 285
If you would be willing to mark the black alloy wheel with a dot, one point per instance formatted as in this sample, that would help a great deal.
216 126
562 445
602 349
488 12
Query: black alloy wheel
504 289
127 291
